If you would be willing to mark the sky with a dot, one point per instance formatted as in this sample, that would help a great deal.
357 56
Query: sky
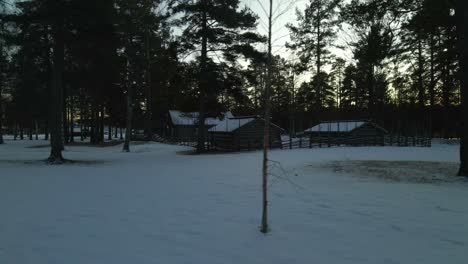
285 11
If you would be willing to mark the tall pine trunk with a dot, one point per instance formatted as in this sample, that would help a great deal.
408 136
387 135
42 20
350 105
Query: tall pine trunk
36 128
319 59
72 117
109 131
1 102
432 48
46 131
1 123
128 129
56 140
1 111
102 112
421 91
202 83
462 32
66 132
148 91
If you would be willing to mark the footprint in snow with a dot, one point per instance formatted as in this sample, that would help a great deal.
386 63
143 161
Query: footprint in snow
453 242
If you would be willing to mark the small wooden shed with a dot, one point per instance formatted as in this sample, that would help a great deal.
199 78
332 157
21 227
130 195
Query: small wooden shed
243 133
346 128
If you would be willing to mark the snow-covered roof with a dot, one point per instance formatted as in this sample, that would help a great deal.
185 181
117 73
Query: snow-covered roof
191 118
341 126
231 124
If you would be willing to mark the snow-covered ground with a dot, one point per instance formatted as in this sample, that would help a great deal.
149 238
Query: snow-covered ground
160 205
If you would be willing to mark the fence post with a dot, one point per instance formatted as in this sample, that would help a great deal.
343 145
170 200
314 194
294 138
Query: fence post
338 137
290 142
320 135
300 142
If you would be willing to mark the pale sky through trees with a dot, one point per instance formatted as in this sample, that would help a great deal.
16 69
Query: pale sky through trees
285 11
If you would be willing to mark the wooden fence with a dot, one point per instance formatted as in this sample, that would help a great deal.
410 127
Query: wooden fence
319 142
183 141
389 140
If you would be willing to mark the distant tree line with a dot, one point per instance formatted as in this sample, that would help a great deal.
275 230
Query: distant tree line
124 63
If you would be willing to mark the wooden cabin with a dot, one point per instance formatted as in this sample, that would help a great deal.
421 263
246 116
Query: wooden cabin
351 129
185 124
243 133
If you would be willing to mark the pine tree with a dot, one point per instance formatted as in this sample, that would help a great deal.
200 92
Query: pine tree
349 96
214 27
337 77
370 52
313 37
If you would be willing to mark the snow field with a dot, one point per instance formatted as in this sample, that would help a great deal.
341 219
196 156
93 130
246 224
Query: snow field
157 205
